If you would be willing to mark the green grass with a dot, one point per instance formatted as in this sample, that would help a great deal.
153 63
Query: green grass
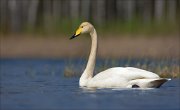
134 26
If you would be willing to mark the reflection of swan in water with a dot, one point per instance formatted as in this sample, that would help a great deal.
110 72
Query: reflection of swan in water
126 77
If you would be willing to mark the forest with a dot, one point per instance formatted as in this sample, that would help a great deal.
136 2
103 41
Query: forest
17 16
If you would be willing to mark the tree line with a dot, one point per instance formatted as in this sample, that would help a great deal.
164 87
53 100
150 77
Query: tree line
17 14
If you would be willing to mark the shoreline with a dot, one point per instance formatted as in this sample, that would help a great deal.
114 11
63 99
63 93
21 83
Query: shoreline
108 47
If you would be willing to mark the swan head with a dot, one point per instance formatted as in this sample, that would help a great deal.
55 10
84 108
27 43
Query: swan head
85 27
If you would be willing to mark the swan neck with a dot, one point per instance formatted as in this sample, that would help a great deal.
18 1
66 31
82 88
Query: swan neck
88 72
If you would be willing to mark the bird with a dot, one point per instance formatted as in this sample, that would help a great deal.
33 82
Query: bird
115 77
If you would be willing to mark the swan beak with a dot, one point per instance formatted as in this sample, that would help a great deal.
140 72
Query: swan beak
72 37
78 32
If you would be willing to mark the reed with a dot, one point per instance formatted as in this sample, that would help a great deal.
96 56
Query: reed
164 68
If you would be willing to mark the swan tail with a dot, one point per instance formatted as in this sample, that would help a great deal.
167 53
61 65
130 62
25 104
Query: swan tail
158 82
147 83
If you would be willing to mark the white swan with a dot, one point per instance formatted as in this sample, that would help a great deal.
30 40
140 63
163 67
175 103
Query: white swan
125 77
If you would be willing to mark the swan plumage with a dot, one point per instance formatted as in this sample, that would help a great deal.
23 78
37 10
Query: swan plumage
125 77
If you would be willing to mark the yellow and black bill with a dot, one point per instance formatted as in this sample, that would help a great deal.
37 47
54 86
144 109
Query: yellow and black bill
73 36
78 32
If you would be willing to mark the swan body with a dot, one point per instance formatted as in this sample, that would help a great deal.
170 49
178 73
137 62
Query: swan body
124 77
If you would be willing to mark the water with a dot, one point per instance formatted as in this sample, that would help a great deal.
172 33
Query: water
28 84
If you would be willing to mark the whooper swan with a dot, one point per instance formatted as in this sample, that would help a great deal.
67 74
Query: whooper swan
121 77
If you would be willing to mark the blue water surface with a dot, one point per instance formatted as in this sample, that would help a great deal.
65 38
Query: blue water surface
38 84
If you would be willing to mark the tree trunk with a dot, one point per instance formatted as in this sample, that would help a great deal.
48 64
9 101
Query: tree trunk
74 9
56 9
120 9
14 16
47 14
110 9
32 13
129 9
85 10
147 7
65 9
3 15
171 13
100 16
159 10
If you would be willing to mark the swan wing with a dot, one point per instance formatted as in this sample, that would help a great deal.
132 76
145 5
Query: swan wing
122 77
129 73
